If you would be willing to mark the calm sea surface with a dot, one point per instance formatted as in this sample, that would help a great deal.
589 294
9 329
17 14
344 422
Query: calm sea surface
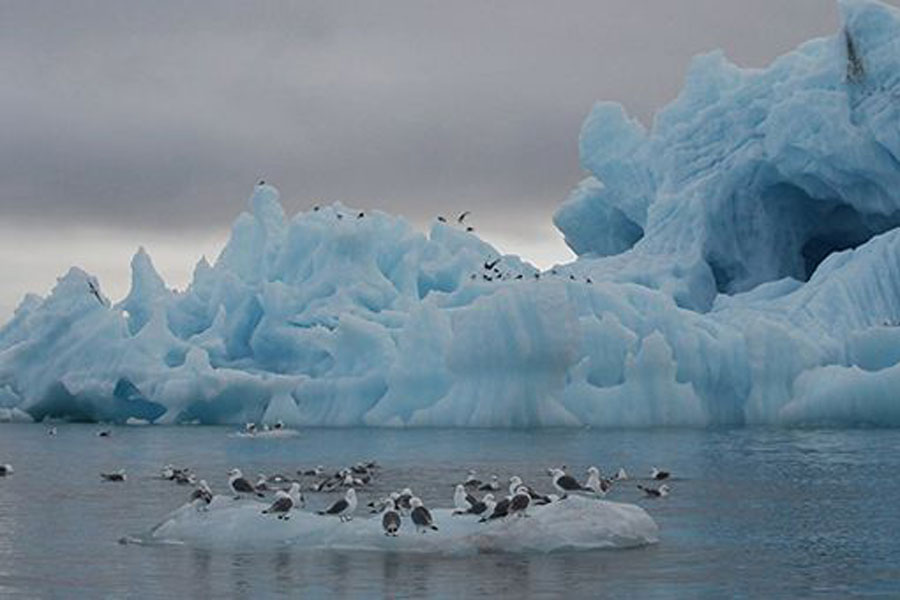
753 513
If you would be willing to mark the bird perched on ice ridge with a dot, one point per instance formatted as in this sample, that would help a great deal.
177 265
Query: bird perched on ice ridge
515 481
343 508
202 496
240 485
518 504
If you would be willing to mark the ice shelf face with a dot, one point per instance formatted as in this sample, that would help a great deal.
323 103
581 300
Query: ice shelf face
568 525
739 263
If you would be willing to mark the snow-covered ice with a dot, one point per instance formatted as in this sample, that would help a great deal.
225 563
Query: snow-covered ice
739 263
572 524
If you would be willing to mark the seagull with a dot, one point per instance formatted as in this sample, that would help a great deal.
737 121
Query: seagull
279 424
390 521
250 428
621 474
470 229
202 496
6 469
261 182
595 483
497 510
658 475
565 483
489 266
51 431
296 495
491 486
442 219
462 216
281 506
104 433
515 481
662 492
312 472
261 483
403 501
471 480
239 485
360 215
421 517
114 476
344 507
519 502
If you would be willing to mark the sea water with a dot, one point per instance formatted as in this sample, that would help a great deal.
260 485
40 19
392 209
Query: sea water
753 512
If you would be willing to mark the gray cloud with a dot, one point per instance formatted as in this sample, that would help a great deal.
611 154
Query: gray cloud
160 116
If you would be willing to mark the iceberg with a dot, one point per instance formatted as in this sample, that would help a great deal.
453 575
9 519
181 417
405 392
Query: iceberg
738 263
575 524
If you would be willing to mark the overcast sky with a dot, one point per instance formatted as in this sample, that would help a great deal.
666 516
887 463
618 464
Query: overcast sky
147 123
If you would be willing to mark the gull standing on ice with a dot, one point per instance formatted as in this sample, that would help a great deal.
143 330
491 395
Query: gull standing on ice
421 517
565 483
344 507
519 502
390 522
202 496
515 481
240 485
595 483
471 480
491 486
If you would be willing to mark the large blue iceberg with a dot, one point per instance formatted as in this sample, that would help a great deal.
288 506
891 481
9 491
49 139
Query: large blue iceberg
738 263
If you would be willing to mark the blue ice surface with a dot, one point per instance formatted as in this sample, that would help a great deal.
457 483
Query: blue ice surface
768 513
738 263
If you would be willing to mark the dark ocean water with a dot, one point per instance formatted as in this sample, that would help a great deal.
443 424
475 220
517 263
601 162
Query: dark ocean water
753 513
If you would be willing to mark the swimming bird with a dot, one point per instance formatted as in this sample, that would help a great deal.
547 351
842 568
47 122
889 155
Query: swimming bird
595 483
471 480
250 428
565 483
518 504
239 485
51 431
621 474
490 486
661 492
658 475
279 424
390 521
114 476
281 506
6 469
462 216
104 433
343 508
421 517
312 472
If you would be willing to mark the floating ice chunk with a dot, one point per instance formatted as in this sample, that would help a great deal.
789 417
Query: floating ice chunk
572 524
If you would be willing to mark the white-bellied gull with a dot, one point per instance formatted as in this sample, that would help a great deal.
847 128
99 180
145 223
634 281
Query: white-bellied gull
281 506
621 474
498 511
515 481
565 483
390 521
595 483
6 469
240 485
471 480
262 482
202 496
421 517
344 507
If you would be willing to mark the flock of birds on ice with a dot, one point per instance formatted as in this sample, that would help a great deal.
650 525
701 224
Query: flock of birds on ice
288 490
